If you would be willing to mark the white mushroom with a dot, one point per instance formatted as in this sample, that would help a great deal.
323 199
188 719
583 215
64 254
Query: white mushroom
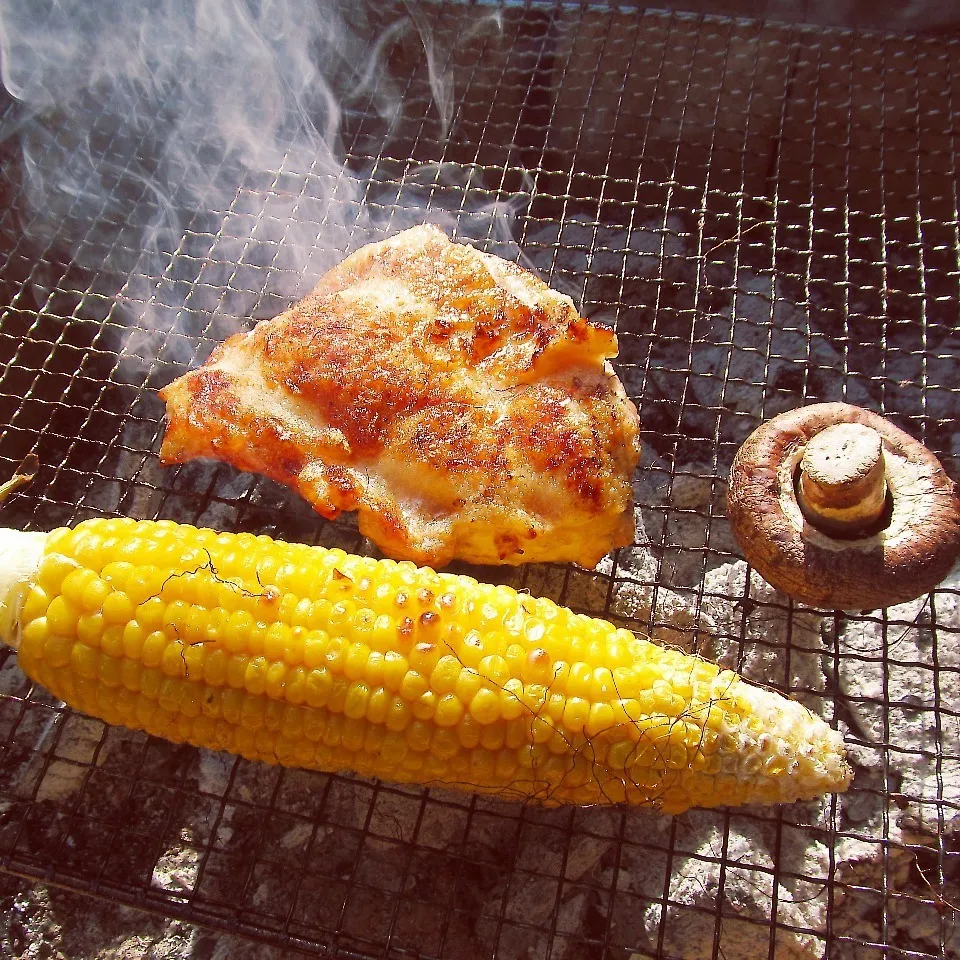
840 509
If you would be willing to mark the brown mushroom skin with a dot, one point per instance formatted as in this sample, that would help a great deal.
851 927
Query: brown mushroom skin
908 557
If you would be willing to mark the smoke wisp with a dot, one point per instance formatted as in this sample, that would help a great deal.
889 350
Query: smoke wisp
202 154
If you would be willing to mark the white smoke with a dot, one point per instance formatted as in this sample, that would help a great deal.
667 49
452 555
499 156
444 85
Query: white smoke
193 150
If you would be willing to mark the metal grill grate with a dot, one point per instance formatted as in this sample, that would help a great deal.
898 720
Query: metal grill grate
768 215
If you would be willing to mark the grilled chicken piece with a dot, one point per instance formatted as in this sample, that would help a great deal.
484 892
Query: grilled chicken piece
460 405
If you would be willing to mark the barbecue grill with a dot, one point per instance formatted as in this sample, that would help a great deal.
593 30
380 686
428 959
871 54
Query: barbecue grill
767 213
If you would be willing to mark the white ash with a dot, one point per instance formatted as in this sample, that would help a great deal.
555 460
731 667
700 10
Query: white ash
901 680
41 923
61 780
80 738
297 837
921 916
657 613
177 869
641 598
540 894
395 815
77 741
752 632
678 521
725 868
214 772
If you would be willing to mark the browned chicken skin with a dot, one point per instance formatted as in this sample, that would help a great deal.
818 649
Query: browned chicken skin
460 405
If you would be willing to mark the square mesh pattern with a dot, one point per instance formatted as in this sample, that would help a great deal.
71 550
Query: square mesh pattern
768 216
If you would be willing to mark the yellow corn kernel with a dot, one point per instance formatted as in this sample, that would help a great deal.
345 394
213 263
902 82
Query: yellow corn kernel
75 583
275 681
378 706
338 694
252 712
295 685
449 711
419 734
35 605
111 640
317 687
215 667
62 616
334 654
153 649
600 721
276 641
173 661
394 748
255 675
314 724
130 675
273 714
237 671
512 705
373 736
150 682
94 595
314 649
424 657
472 649
333 730
468 732
116 573
144 583
399 715
579 680
34 638
443 678
425 706
84 661
495 669
54 569
444 745
211 703
133 638
485 706
469 682
537 666
291 726
373 669
395 668
414 685
355 661
541 730
150 613
175 618
352 734
89 628
238 630
576 712
356 701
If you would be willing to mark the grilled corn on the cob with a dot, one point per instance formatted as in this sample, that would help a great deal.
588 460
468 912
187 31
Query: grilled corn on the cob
314 658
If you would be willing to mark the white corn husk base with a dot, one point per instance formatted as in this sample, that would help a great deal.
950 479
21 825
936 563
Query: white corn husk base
20 555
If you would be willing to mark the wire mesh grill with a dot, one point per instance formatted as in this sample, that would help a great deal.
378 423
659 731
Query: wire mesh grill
768 216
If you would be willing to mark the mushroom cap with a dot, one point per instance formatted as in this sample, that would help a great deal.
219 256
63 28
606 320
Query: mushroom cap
909 556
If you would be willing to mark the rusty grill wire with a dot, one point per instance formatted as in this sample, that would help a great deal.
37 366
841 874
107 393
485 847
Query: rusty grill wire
768 216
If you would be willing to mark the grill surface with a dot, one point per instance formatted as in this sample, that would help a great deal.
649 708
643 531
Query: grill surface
768 216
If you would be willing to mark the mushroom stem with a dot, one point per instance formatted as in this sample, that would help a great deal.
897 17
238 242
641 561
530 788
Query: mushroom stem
843 487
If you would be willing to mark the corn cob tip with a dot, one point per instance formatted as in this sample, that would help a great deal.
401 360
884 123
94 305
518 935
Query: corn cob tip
20 555
811 752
